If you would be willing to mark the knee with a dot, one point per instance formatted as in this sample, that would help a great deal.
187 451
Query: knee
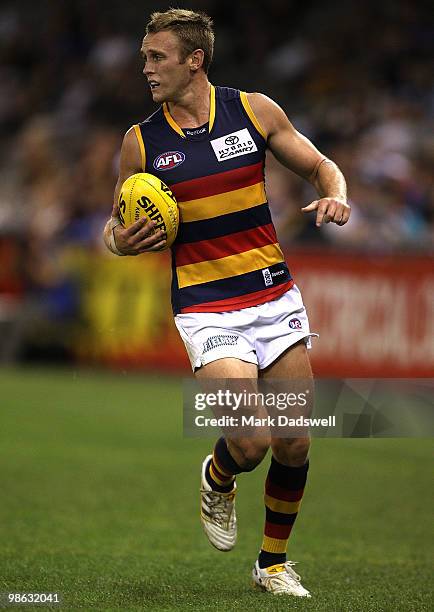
248 452
291 451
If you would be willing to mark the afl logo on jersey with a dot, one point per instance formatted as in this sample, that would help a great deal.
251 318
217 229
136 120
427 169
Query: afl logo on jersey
169 160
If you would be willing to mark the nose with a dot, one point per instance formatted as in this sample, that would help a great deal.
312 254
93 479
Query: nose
147 69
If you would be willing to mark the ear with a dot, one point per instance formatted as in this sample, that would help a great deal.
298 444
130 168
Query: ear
196 60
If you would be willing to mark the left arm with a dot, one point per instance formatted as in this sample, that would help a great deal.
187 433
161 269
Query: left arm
297 153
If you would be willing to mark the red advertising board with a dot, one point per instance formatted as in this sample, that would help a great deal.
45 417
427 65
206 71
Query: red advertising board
374 314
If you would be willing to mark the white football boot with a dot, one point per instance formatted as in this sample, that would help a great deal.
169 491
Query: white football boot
279 579
217 513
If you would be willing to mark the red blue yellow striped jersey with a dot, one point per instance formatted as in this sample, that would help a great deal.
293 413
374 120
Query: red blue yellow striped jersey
226 255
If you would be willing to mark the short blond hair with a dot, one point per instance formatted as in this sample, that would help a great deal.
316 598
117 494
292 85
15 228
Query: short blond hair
194 30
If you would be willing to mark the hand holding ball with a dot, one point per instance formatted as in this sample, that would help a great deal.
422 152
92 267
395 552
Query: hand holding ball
144 195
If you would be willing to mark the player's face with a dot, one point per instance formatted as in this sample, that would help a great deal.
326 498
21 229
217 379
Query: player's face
166 75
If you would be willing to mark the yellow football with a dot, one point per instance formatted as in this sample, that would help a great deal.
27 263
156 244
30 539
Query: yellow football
145 195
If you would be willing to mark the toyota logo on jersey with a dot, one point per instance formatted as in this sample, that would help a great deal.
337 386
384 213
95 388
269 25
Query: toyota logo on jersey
169 160
232 140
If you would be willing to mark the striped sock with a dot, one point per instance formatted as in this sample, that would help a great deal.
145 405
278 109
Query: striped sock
284 489
221 470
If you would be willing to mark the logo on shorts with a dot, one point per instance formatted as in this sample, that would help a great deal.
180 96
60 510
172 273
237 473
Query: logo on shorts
216 341
295 324
169 160
268 279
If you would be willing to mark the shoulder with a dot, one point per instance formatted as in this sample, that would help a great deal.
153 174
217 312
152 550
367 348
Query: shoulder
130 138
226 94
131 156
268 113
260 101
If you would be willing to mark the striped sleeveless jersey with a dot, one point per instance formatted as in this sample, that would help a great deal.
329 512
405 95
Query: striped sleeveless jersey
226 255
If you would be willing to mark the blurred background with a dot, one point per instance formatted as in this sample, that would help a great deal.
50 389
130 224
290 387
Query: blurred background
355 78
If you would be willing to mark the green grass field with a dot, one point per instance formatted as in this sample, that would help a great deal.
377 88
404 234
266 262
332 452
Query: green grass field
99 502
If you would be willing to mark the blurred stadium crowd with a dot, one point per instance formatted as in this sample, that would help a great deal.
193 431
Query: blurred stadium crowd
356 78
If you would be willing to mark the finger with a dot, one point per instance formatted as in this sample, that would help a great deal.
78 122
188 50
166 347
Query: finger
133 244
330 213
146 231
150 241
345 216
322 209
337 217
157 247
310 207
142 223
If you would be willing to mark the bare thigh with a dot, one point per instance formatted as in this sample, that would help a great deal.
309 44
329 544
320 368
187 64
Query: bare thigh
294 363
229 367
248 452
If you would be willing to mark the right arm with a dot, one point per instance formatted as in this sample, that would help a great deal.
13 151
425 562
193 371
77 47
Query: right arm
139 237
297 153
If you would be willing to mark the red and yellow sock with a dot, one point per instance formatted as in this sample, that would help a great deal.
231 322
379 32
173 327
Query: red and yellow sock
284 490
222 468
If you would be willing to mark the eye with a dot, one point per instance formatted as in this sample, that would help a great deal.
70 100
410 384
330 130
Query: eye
154 57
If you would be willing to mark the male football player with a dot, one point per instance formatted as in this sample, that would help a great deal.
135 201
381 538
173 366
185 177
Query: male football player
232 293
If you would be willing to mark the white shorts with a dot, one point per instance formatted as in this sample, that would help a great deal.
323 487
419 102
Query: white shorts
258 334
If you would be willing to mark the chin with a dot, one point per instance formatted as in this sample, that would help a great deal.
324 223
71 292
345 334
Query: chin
157 96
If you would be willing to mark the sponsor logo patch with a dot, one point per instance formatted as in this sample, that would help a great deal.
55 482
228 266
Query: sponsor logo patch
216 341
233 145
169 160
295 324
232 140
268 279
196 132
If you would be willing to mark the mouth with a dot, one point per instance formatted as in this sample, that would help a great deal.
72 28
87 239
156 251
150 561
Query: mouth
153 85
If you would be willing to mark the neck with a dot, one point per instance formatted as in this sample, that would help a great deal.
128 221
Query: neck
191 109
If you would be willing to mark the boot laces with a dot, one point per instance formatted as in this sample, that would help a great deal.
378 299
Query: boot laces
221 506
